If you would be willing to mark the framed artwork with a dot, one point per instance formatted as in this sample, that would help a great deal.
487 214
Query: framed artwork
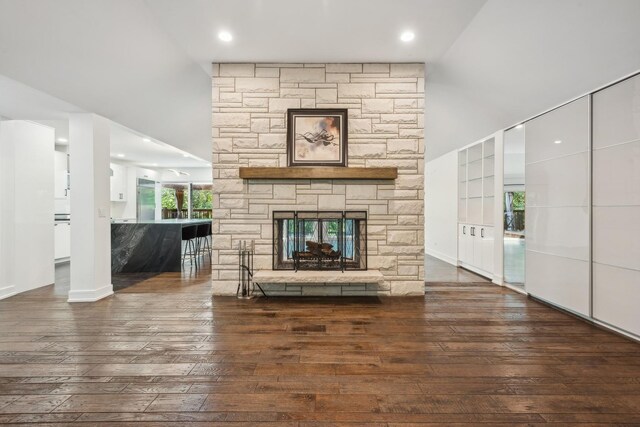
317 137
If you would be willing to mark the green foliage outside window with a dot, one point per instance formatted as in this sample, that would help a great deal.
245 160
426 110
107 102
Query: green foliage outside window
518 200
168 198
202 199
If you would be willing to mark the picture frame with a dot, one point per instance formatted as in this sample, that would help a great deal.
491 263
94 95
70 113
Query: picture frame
317 137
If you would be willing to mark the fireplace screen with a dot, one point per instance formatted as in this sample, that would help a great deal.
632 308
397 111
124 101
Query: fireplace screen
320 240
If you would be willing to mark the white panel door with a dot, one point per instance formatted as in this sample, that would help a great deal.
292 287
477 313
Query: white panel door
468 242
477 246
461 242
487 249
616 205
557 208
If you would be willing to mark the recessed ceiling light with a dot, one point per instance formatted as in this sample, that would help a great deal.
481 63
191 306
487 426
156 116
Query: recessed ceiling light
557 141
407 36
185 155
146 139
63 140
225 36
120 155
519 126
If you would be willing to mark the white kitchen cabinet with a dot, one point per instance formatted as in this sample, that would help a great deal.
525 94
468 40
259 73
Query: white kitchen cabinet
118 183
62 241
61 175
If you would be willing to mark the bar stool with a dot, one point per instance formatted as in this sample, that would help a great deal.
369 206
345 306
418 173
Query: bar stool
202 238
189 235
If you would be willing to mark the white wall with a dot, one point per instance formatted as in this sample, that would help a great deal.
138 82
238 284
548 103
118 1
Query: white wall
441 207
26 216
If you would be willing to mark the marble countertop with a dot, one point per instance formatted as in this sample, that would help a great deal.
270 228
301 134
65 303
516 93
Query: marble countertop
162 221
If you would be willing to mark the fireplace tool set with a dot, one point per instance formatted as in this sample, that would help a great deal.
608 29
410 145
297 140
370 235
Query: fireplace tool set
246 285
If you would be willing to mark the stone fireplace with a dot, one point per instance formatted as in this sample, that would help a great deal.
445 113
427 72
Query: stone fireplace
385 104
319 240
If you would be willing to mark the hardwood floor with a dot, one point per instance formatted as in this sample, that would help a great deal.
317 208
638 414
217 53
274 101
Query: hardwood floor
165 352
439 271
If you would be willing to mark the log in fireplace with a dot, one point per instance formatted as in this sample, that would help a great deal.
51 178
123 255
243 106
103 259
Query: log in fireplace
319 240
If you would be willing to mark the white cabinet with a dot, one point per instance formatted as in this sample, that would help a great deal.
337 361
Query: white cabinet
476 199
486 259
475 248
62 239
61 175
118 183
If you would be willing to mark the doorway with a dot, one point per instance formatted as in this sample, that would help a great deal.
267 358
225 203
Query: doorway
514 199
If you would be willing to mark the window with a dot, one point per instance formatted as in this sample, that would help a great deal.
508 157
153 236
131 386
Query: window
173 195
201 201
195 200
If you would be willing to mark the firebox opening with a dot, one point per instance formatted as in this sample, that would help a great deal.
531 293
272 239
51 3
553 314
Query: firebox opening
320 240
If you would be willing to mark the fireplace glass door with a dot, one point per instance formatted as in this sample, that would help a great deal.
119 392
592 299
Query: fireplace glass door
319 240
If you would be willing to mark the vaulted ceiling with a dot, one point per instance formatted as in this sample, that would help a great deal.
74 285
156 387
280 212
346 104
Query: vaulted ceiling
145 64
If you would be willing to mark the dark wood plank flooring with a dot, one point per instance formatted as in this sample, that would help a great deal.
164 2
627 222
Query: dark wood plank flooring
165 352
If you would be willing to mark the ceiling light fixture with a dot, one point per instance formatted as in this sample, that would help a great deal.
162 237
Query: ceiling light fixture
225 36
407 36
557 141
63 140
146 139
519 126
120 155
185 155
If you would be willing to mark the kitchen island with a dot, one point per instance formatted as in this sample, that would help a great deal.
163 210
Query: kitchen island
153 246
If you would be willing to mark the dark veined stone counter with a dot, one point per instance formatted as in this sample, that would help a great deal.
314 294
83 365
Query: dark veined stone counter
148 246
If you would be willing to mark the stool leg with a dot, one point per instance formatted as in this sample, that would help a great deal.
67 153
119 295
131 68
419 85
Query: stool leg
194 253
206 240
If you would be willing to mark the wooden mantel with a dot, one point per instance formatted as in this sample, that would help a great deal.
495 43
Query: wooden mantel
324 172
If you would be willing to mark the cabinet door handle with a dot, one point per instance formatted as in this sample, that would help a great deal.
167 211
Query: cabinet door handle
482 233
464 229
472 228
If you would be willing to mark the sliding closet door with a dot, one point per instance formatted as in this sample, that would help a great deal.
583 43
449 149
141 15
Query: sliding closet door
616 205
557 206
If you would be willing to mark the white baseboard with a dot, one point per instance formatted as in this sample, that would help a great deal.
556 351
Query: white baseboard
7 291
91 295
442 257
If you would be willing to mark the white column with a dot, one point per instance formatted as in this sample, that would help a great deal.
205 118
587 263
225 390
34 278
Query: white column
89 140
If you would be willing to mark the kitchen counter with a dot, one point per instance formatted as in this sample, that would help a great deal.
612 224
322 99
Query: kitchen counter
161 221
148 245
